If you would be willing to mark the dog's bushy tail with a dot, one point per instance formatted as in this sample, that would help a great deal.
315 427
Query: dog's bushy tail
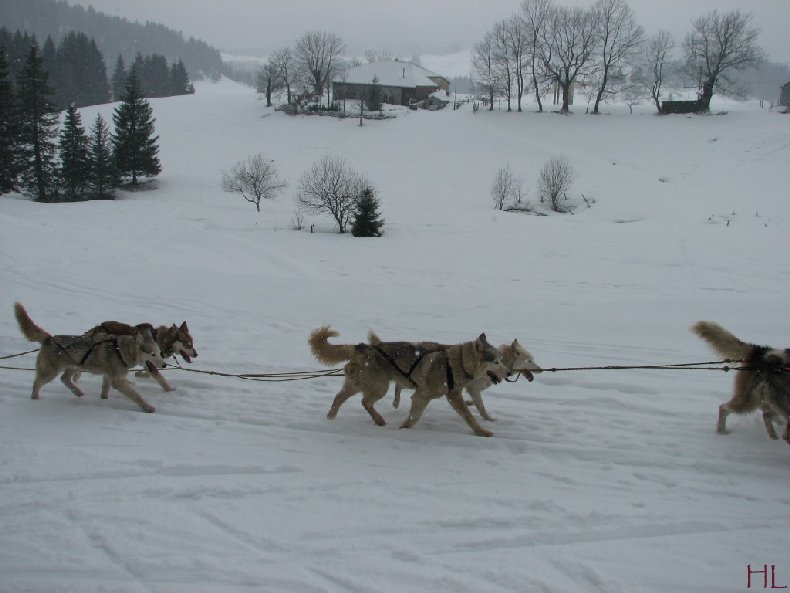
325 352
721 340
32 332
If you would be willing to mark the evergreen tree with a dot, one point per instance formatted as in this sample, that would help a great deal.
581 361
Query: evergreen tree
38 129
179 80
102 177
74 163
366 218
8 129
119 76
79 74
135 147
373 101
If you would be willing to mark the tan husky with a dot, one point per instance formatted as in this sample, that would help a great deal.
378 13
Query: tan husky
515 357
111 357
431 372
765 385
172 341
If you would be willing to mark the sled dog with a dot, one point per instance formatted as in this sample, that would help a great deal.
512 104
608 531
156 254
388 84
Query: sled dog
109 356
172 341
432 372
515 357
764 384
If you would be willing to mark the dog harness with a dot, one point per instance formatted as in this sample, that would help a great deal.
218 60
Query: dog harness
81 362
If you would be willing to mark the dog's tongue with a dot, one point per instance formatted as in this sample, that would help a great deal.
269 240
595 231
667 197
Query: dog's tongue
528 375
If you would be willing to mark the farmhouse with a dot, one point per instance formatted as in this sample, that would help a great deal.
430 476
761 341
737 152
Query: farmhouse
400 83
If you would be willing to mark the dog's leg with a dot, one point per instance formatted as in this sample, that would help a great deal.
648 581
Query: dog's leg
371 398
768 420
43 376
418 405
67 379
345 392
160 378
396 401
459 405
721 425
124 387
786 435
477 400
105 387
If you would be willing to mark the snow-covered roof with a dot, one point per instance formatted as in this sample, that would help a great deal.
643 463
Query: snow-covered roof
391 73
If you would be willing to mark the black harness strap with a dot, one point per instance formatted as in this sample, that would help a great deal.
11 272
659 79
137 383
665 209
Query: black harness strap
449 371
81 362
391 360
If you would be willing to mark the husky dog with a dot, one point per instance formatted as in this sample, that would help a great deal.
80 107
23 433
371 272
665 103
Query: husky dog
764 384
515 357
173 340
431 372
109 356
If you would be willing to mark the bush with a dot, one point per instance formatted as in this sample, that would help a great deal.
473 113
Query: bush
554 180
255 179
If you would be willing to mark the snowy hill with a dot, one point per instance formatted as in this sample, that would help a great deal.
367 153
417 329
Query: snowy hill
608 481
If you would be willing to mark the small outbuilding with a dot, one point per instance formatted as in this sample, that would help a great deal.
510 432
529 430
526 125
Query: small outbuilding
400 83
784 95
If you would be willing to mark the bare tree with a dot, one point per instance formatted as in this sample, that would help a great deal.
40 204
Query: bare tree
504 65
484 68
620 38
285 62
518 40
378 55
255 179
656 58
317 53
331 186
717 44
268 80
567 46
536 14
554 180
502 188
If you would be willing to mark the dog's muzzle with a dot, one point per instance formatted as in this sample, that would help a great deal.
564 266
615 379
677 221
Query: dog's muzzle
494 377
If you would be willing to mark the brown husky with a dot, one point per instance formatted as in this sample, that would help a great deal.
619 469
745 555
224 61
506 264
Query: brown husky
765 385
515 357
109 356
431 372
173 340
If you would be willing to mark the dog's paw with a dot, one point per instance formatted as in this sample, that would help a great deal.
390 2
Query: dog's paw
482 432
149 409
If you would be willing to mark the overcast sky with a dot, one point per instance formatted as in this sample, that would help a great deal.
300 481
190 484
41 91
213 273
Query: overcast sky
406 27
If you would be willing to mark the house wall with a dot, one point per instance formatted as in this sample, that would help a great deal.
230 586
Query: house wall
784 95
390 94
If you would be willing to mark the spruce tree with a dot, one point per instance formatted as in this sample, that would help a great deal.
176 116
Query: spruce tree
119 76
8 129
179 79
101 178
74 163
38 130
366 218
135 147
373 100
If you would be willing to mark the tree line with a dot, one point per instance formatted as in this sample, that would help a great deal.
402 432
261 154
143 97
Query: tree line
114 35
56 163
78 73
546 47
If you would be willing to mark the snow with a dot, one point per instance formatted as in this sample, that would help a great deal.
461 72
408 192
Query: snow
391 73
608 481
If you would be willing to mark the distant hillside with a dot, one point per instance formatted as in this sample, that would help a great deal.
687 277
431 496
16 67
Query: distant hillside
113 35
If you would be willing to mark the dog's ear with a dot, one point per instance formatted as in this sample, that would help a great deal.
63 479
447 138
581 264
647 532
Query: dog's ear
184 326
514 345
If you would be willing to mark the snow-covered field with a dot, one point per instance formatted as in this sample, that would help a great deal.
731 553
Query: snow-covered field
610 481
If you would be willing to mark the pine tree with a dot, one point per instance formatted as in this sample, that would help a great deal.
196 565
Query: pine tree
366 218
373 100
101 178
8 129
135 147
179 80
38 129
119 76
74 163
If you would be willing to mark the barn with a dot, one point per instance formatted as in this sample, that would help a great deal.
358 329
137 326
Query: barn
400 82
